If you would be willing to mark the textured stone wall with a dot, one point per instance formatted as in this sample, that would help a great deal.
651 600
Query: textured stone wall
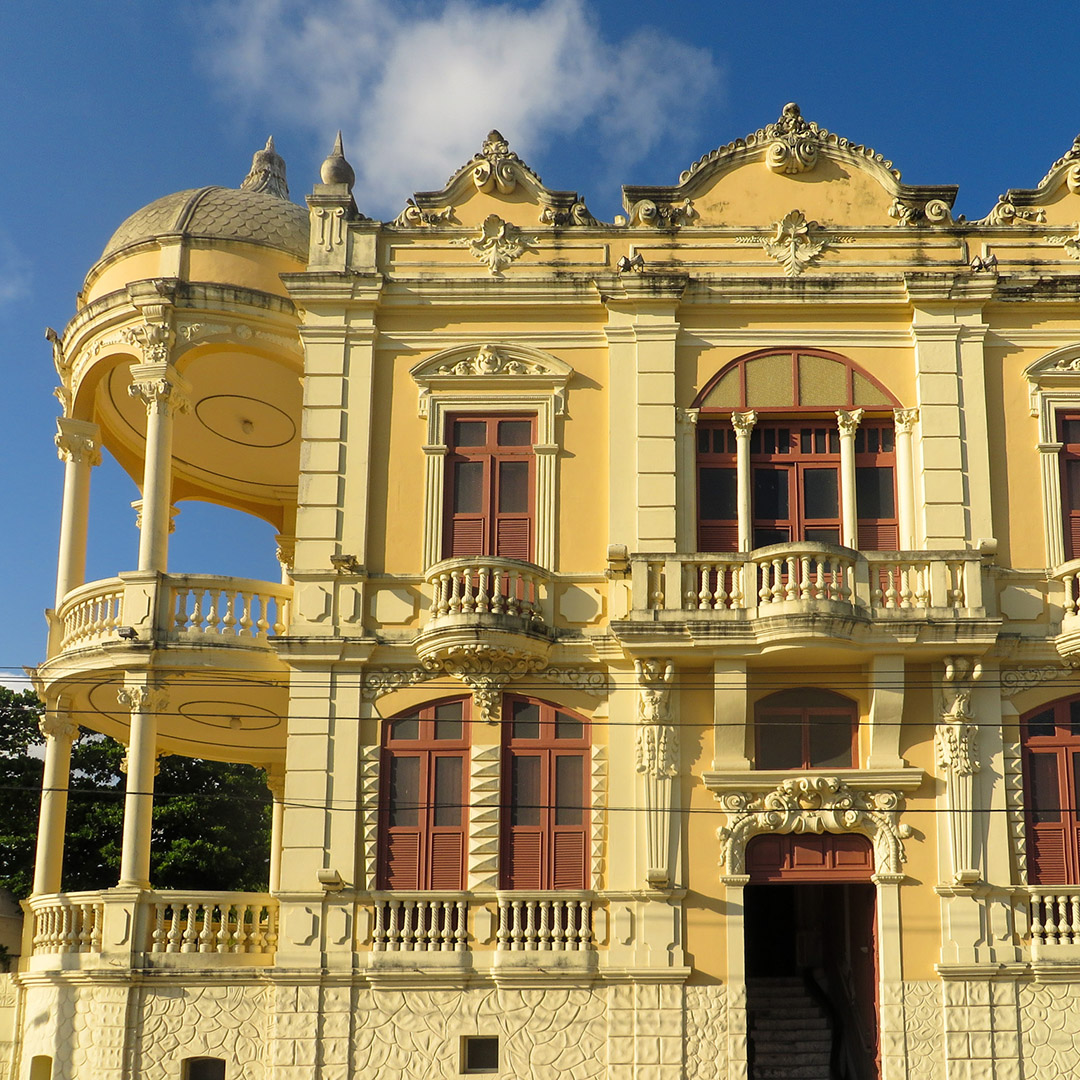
924 1028
706 1033
1050 1030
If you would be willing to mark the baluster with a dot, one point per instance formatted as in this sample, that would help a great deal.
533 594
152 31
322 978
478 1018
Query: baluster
656 584
725 599
454 600
246 622
1069 581
548 931
67 935
585 924
86 923
175 936
503 935
95 934
180 617
255 942
1051 914
262 624
461 932
1038 928
532 932
378 936
224 941
777 580
500 587
431 916
394 933
517 931
906 592
187 919
212 617
704 595
468 604
483 595
409 926
956 582
446 931
195 619
206 931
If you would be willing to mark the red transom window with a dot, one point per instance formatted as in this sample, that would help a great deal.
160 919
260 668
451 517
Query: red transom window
1069 436
545 783
490 481
422 806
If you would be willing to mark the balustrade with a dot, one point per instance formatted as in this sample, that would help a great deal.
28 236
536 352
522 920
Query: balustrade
1054 916
241 923
67 924
554 924
486 586
91 613
228 607
420 925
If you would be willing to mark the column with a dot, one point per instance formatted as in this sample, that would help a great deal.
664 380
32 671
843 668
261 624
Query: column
145 702
275 781
905 420
162 392
59 732
743 423
657 760
849 513
78 445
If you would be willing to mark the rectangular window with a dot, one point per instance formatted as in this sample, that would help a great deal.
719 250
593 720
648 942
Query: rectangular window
875 486
480 1054
1069 436
490 471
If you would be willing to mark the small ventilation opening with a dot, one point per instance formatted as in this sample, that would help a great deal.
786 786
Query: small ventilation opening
204 1068
480 1054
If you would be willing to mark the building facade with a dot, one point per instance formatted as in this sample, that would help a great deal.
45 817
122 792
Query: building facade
670 674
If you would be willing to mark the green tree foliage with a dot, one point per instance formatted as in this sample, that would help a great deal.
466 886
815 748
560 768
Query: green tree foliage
211 819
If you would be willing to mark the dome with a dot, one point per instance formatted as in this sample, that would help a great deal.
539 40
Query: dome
219 213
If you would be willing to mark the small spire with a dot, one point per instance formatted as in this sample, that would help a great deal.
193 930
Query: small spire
335 169
267 172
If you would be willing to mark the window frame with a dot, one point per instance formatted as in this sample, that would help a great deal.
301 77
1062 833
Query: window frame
800 700
1064 747
428 749
549 749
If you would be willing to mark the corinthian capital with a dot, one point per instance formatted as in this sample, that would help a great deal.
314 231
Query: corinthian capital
743 422
143 697
78 441
905 420
55 725
848 422
159 388
154 340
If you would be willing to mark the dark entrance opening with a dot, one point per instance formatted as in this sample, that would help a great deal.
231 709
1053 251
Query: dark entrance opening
811 958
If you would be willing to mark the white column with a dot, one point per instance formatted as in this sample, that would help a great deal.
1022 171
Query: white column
743 423
59 734
162 391
905 420
849 513
275 781
145 702
78 444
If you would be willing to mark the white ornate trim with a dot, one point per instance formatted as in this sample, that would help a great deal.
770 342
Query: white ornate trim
598 766
491 379
498 244
385 680
1014 806
657 760
369 814
815 804
484 779
795 243
1016 680
485 670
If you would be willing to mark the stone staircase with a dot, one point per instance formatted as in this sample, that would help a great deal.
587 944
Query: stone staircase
789 1032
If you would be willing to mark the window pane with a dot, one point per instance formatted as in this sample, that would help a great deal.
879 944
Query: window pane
1074 717
822 536
468 487
888 439
771 494
526 720
1041 725
703 440
1076 785
1072 483
404 791
779 742
717 495
470 432
524 790
448 791
569 789
821 496
874 492
830 740
568 727
1045 798
513 487
408 727
765 537
515 433
448 720
1070 431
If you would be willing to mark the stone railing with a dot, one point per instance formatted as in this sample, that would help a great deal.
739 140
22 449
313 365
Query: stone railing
485 585
91 613
227 609
420 924
883 584
1069 575
244 924
1053 920
201 608
544 922
67 923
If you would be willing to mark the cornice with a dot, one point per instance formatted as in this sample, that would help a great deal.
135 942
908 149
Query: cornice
755 780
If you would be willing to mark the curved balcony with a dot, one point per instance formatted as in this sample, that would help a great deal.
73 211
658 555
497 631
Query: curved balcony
787 593
1068 641
503 603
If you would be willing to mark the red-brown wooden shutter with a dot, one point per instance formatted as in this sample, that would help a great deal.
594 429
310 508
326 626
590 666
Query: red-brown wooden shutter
568 860
447 861
402 863
512 538
524 862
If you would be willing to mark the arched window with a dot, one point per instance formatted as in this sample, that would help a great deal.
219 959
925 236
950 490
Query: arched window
805 729
422 806
794 465
1050 737
545 783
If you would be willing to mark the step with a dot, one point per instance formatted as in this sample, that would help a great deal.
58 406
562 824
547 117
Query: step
799 1042
791 1072
807 1016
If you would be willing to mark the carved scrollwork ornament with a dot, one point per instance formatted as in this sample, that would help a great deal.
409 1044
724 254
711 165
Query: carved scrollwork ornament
1015 680
413 217
905 420
956 738
1007 213
657 743
1070 243
495 167
743 423
139 697
1072 180
485 670
816 804
795 242
55 726
795 144
662 215
578 214
499 243
384 680
77 447
848 422
490 361
154 341
910 213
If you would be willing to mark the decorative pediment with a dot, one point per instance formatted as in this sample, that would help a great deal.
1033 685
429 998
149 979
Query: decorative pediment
495 176
1052 199
491 367
1057 370
791 151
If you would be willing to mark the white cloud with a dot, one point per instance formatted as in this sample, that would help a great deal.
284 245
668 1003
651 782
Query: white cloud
416 88
14 273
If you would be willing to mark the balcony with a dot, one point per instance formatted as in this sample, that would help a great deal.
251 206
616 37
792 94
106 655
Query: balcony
163 929
1068 641
790 594
500 605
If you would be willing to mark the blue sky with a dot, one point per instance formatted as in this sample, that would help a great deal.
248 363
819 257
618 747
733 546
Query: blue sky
110 105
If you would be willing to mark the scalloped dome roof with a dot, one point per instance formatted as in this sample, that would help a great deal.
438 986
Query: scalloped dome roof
219 213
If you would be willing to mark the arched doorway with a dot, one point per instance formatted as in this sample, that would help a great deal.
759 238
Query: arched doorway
811 954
